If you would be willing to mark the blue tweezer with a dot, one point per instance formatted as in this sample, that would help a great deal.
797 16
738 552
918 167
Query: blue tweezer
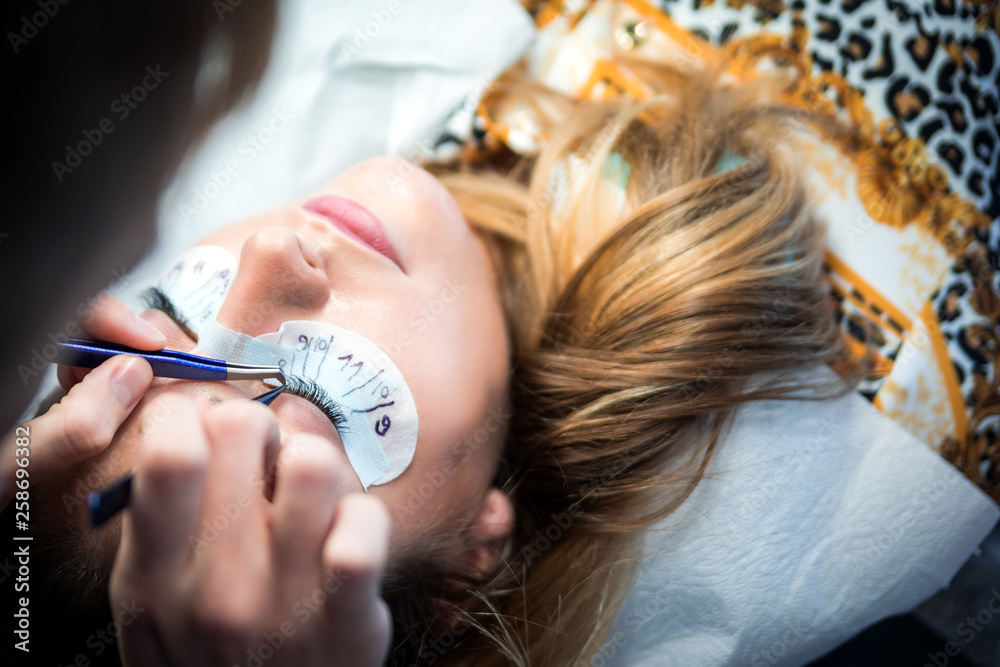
165 363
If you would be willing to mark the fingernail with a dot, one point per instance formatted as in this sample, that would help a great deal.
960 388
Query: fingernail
150 331
131 381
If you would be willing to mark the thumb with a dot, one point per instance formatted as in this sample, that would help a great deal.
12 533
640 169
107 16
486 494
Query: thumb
112 321
83 423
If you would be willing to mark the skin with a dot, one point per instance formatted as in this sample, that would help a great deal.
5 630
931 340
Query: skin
85 420
295 266
197 448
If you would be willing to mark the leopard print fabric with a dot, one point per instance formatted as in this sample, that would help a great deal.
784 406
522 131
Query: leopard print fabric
927 67
933 70
924 64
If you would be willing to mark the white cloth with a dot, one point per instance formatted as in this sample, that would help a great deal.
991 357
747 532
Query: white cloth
346 81
816 519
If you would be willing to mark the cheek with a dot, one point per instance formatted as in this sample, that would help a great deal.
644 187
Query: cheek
458 411
459 362
447 378
439 492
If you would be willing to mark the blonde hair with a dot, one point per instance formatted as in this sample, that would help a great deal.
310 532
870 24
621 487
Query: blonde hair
650 291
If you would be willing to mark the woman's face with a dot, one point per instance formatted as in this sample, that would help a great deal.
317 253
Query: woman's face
424 294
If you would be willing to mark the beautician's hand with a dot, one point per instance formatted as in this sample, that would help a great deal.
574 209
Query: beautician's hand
216 575
112 321
84 421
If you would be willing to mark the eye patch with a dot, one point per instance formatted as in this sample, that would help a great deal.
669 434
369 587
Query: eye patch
380 433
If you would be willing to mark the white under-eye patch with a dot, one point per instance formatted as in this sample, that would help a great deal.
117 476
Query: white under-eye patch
197 282
380 435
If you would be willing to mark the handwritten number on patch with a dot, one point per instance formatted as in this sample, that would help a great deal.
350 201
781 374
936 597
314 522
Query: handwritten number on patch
324 346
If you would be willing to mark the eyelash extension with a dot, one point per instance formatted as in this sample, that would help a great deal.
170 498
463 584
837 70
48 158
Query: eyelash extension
157 299
315 394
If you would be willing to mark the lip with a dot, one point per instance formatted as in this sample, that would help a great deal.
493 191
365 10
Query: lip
355 221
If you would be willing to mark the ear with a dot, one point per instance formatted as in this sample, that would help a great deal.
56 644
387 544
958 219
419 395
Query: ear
488 531
480 555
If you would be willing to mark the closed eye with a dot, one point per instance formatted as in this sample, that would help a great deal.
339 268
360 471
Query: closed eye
157 299
318 396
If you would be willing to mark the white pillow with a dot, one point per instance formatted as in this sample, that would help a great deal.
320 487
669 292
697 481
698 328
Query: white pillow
816 520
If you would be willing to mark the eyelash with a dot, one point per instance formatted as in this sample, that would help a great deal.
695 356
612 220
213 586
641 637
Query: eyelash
156 299
315 394
305 388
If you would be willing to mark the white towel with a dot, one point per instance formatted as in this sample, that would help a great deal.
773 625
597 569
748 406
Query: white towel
817 519
346 81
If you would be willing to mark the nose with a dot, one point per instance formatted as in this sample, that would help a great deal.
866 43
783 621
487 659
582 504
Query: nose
279 279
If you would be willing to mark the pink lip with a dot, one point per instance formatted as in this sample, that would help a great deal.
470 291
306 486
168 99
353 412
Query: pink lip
355 221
